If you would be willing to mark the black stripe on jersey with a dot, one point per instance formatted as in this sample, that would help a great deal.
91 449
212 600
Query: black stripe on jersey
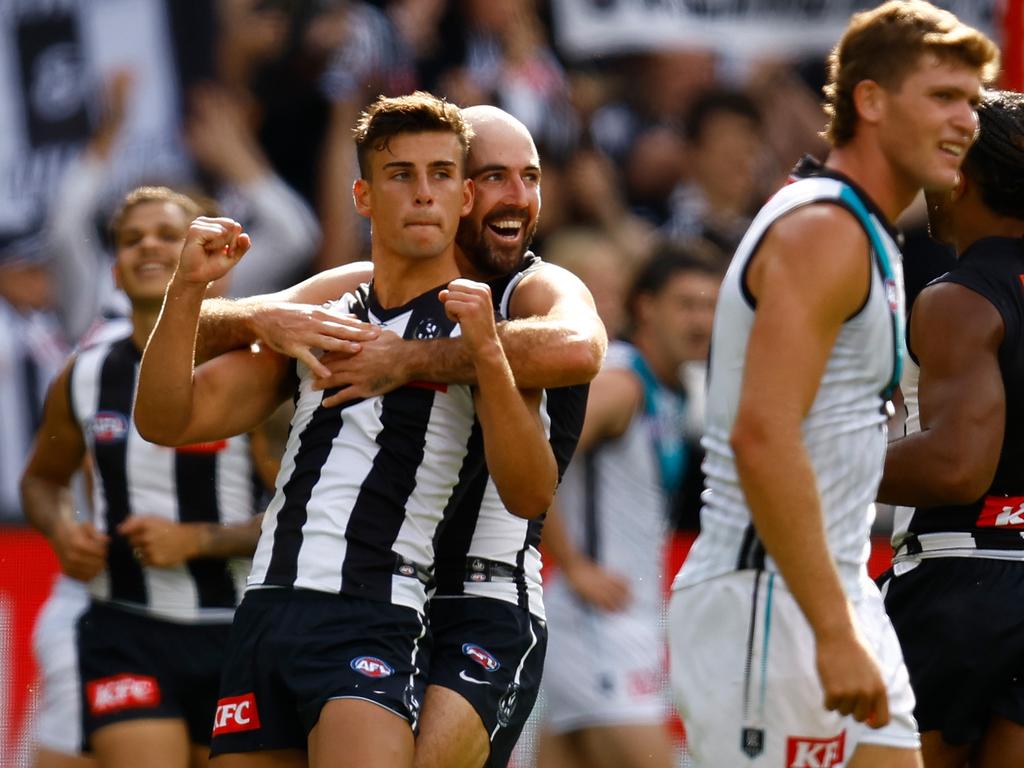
455 534
195 478
749 658
315 446
117 389
591 534
752 553
379 509
533 534
566 408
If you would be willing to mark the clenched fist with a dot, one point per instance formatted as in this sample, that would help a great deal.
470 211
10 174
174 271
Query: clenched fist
212 247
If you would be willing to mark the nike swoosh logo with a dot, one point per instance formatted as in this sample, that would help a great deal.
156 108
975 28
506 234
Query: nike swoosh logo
469 679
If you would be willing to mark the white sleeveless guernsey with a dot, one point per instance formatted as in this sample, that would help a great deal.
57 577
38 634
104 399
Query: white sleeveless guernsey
844 432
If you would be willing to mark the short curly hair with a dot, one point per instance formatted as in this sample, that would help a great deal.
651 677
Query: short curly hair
995 162
417 112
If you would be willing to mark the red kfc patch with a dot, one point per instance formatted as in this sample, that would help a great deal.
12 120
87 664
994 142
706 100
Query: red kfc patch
120 692
815 753
236 713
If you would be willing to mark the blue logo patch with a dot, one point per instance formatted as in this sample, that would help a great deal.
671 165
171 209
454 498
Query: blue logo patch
480 656
109 427
371 666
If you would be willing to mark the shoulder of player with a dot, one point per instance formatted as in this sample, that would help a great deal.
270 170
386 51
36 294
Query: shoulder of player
543 287
818 249
819 224
331 283
946 311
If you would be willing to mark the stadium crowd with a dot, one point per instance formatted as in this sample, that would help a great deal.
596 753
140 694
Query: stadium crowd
651 156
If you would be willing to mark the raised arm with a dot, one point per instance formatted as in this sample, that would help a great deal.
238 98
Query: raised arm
519 456
956 334
177 404
57 454
808 276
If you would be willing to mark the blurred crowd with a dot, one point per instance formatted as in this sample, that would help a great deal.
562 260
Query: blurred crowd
248 105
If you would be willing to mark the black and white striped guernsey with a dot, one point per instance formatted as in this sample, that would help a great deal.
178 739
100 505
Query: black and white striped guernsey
483 550
993 525
364 486
212 482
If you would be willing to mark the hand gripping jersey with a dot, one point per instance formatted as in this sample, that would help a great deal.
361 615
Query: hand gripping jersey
212 482
364 486
993 525
484 550
844 432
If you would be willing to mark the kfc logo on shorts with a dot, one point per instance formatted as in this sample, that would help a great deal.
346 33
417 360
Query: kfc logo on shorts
480 656
815 753
236 713
114 694
108 427
371 666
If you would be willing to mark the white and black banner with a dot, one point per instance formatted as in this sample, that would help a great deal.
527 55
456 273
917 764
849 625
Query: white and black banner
55 56
589 28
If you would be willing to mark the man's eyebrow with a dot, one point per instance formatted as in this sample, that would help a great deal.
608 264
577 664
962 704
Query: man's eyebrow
410 164
498 167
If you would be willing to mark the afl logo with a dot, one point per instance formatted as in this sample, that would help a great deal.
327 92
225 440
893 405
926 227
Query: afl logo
109 427
480 656
371 666
427 329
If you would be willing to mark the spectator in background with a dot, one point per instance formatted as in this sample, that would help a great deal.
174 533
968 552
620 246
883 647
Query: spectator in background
224 147
724 147
509 64
32 350
594 258
605 673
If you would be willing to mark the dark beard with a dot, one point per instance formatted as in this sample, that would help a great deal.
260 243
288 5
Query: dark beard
485 259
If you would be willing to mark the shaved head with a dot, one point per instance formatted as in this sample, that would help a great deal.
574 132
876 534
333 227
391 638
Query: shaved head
505 167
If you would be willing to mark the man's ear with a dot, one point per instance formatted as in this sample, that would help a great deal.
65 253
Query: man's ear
869 101
116 272
468 195
361 197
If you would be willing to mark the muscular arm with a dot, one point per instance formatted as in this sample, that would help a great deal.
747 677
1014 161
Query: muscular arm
519 456
291 321
808 276
554 339
956 334
557 340
46 497
177 404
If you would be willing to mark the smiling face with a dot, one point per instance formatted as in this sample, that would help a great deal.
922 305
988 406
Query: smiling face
929 122
414 195
147 243
505 168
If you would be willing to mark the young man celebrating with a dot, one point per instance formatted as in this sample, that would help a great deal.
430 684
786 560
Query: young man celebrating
487 612
957 538
157 550
327 643
806 347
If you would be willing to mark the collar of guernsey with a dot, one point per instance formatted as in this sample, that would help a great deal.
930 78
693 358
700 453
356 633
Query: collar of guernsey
872 227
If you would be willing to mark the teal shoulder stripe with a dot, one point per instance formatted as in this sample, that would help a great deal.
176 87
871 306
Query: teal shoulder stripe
856 205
